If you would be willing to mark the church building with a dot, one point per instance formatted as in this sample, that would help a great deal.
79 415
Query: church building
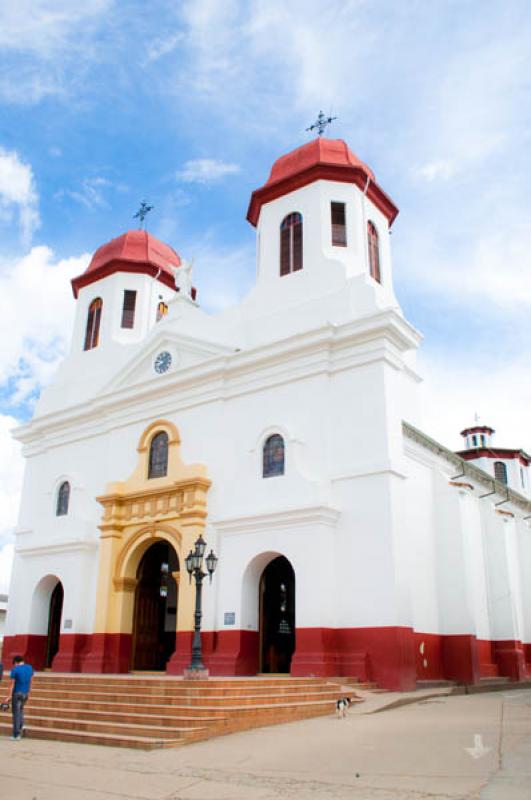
286 432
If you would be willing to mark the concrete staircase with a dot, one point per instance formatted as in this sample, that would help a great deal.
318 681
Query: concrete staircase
154 711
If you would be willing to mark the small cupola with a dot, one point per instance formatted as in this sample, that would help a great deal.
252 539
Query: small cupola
322 220
478 436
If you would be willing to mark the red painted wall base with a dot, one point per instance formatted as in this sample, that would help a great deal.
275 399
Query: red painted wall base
393 657
31 647
72 650
107 652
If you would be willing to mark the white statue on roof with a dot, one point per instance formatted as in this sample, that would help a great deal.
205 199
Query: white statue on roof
183 277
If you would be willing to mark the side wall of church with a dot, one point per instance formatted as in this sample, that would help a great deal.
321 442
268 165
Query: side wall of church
465 561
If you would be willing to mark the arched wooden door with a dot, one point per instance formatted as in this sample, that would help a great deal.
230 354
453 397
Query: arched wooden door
155 612
54 624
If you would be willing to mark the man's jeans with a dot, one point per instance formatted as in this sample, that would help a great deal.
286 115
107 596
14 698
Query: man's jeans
18 701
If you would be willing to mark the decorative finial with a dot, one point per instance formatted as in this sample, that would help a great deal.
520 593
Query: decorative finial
320 123
142 212
476 417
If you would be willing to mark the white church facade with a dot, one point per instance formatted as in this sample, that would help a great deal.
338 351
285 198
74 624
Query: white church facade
286 432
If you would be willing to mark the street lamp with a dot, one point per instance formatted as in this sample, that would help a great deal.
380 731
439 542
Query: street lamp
194 567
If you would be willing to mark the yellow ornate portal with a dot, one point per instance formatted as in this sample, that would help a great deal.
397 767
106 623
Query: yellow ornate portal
139 512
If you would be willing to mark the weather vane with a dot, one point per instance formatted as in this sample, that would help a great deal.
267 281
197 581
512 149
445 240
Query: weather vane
320 123
142 212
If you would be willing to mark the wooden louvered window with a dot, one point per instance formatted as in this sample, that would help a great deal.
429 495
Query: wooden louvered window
291 244
128 309
339 226
92 332
500 471
374 252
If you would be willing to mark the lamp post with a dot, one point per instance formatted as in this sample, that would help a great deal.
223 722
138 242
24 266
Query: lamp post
194 567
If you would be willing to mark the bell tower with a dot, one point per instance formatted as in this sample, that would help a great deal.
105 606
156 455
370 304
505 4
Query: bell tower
322 220
125 288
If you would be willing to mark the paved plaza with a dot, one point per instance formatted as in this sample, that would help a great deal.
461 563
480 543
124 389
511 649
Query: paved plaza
439 748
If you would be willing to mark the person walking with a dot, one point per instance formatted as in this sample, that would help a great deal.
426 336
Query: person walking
21 676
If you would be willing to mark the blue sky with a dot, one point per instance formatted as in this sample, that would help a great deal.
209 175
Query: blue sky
188 104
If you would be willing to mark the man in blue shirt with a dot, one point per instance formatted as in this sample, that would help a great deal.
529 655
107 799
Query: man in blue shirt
21 676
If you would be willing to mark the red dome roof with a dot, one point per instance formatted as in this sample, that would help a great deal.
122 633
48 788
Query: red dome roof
328 159
319 151
134 251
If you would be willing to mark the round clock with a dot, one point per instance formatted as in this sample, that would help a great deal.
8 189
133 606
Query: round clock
162 362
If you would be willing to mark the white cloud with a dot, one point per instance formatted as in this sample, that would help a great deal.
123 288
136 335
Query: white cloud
11 470
221 274
36 307
45 47
6 564
162 46
485 272
439 168
248 60
41 27
91 194
18 193
457 387
205 170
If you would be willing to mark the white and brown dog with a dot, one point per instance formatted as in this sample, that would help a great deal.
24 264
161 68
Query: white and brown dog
341 707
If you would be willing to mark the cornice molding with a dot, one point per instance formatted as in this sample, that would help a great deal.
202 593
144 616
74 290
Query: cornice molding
271 520
58 547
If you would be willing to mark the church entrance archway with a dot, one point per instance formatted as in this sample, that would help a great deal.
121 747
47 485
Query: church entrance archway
54 624
277 616
155 608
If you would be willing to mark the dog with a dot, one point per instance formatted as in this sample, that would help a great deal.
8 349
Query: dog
341 707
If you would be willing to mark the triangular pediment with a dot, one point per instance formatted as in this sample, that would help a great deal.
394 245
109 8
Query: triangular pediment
164 355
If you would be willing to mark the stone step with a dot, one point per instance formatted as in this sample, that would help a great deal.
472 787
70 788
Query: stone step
180 691
146 714
435 684
85 737
184 699
128 707
168 680
124 715
488 685
157 731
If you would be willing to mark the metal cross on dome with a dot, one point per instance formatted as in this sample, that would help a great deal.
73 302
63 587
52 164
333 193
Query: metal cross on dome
320 123
142 212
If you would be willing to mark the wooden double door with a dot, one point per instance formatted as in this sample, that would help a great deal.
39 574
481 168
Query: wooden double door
155 610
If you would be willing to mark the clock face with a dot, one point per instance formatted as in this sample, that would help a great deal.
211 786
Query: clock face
162 362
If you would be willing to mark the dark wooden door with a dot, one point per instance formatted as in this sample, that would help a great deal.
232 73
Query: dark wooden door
149 627
54 624
155 611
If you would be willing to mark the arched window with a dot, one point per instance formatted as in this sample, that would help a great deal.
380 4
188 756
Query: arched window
374 252
158 456
273 456
92 333
63 498
500 471
291 243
